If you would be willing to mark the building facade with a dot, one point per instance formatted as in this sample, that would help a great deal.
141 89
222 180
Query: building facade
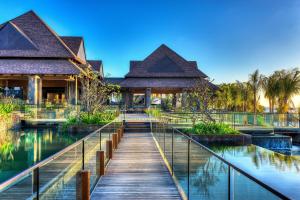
38 65
162 73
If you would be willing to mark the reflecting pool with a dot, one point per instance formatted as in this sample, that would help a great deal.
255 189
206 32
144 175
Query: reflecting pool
281 172
20 149
202 175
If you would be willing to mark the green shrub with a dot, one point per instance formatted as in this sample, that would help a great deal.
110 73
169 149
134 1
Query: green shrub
99 118
154 112
8 105
211 128
260 120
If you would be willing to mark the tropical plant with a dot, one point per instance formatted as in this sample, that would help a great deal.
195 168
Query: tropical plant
255 85
289 86
98 118
200 97
270 86
153 112
94 92
211 128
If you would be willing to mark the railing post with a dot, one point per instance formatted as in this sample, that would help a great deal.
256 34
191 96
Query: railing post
100 138
299 120
164 141
115 140
119 135
229 183
172 152
83 185
233 120
82 154
36 182
188 176
109 149
100 163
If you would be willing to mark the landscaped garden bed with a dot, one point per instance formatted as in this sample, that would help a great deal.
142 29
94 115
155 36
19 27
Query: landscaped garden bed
217 133
88 122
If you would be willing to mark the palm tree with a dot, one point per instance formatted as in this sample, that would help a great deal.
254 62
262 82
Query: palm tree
270 85
255 85
289 85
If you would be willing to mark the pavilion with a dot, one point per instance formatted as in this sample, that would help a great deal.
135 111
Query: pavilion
38 65
162 72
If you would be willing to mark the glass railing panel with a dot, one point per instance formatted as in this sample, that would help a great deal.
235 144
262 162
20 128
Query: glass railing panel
105 136
21 189
91 146
180 160
58 176
242 187
168 144
208 175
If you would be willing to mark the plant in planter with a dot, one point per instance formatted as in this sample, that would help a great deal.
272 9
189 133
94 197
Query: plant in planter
217 133
211 128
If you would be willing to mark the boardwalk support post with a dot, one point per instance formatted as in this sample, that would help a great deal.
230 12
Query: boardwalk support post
36 182
83 185
100 163
109 149
119 135
115 140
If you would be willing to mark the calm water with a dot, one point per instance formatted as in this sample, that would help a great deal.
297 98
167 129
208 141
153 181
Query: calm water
282 172
24 148
209 175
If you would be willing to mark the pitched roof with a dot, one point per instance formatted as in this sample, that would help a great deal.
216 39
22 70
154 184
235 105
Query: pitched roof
164 62
160 83
38 66
47 42
97 66
72 42
114 80
12 38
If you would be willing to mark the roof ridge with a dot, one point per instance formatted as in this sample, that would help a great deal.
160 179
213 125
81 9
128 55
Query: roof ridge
21 32
54 33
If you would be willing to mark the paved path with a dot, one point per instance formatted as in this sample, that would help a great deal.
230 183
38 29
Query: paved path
136 171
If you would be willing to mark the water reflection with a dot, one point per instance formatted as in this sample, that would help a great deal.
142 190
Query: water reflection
209 175
20 149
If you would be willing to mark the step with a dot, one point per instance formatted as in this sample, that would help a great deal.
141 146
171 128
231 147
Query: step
137 125
137 130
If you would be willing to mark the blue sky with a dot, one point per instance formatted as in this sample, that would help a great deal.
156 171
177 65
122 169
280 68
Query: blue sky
228 39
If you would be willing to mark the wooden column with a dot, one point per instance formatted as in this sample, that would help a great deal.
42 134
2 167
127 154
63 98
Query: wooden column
34 93
119 135
72 91
100 163
183 99
174 100
148 98
83 185
109 149
115 140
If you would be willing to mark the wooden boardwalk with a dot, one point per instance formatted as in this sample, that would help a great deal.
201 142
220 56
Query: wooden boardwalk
137 171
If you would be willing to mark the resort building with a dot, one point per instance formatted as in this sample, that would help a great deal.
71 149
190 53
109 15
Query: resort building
162 73
38 65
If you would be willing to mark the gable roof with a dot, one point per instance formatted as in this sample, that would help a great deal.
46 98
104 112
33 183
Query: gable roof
97 66
47 42
164 62
11 38
76 44
37 66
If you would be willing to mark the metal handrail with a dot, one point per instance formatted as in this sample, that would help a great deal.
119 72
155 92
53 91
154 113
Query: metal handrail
42 163
269 188
230 165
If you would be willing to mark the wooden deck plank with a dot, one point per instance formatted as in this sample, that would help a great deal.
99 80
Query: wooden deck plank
137 171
